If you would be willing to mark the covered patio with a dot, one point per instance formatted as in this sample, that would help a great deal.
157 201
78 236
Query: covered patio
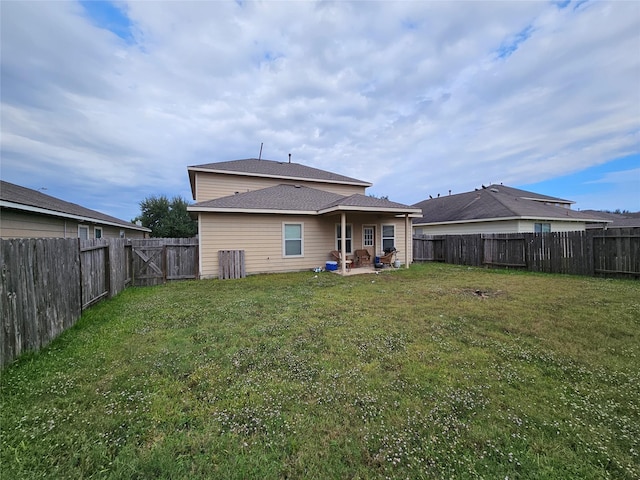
374 216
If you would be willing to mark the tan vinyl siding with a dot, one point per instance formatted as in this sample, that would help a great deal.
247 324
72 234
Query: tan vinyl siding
31 225
20 225
502 226
528 226
260 236
213 185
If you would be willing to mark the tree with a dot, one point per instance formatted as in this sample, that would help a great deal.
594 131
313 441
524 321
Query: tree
167 218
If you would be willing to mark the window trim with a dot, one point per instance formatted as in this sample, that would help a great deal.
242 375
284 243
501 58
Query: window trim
284 239
83 227
96 230
348 238
383 238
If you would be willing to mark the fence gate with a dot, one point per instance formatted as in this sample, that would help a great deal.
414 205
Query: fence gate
148 265
156 260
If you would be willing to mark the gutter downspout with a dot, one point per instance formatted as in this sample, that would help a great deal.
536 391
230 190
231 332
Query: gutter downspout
408 237
200 255
343 246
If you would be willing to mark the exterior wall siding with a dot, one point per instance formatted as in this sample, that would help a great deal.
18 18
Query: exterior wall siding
22 225
213 185
260 236
504 226
528 226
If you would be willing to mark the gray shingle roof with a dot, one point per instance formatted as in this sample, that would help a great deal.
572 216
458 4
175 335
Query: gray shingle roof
516 192
270 168
495 202
618 220
279 197
365 201
294 198
22 196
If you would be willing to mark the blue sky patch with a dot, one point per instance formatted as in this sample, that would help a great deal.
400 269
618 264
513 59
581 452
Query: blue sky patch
596 180
108 16
409 24
562 3
513 43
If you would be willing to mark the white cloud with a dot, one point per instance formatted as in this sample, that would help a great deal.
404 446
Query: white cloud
417 97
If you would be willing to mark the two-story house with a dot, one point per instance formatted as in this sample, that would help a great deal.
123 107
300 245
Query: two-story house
289 217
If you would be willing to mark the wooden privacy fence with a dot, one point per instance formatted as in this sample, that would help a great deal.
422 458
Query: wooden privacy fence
46 283
612 252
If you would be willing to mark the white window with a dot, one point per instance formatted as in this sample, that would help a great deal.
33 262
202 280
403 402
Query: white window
292 239
388 236
97 232
83 232
367 237
347 239
542 227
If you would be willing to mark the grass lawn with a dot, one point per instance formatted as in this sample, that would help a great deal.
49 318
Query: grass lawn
438 371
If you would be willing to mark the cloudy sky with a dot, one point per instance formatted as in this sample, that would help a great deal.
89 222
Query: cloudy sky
104 104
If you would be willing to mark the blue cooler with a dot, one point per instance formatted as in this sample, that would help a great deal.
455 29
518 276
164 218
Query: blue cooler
332 266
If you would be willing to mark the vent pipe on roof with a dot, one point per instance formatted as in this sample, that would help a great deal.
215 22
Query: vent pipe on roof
289 158
260 156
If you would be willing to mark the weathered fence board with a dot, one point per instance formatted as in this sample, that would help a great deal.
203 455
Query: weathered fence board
600 252
231 264
503 250
617 252
95 270
40 294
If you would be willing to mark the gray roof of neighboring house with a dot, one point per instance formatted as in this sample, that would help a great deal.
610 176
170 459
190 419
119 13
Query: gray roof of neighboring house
297 198
273 169
25 199
496 202
516 192
618 220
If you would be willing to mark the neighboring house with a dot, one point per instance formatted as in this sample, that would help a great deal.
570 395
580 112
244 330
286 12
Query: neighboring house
27 213
499 209
289 217
617 220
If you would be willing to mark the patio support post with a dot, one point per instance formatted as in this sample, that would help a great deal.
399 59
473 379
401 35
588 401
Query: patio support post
408 237
343 243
